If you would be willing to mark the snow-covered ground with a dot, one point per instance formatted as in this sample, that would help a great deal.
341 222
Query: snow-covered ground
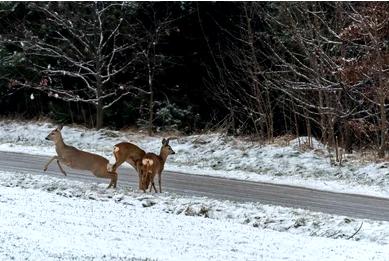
216 155
45 218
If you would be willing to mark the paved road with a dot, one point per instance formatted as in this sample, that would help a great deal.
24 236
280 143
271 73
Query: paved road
289 196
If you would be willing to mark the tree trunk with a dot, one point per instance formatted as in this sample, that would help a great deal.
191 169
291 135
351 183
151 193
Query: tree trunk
99 90
269 116
151 102
309 128
99 116
296 125
99 104
323 124
381 152
382 96
151 113
347 137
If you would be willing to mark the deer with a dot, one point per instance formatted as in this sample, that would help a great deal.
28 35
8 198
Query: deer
153 164
130 153
78 159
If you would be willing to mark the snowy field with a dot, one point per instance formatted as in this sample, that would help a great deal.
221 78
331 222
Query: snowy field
45 218
216 155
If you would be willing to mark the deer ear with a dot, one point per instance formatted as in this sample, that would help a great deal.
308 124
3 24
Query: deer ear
164 141
60 127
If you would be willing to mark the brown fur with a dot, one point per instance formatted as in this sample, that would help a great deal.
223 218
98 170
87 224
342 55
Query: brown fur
130 153
78 159
153 164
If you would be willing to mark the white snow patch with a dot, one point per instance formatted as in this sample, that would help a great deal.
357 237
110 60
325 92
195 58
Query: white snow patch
44 218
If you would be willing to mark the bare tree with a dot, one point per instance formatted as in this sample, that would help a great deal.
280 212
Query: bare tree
365 65
155 25
279 55
305 65
79 52
239 83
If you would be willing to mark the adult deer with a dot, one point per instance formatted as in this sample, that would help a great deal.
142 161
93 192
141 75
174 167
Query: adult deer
153 164
130 153
78 159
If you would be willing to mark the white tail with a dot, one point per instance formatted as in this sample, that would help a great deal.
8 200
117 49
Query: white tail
153 164
130 153
78 159
147 162
109 167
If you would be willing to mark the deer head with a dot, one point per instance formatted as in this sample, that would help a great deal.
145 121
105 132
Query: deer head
166 149
55 135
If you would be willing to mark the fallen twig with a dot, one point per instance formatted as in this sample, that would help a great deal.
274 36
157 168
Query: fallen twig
356 232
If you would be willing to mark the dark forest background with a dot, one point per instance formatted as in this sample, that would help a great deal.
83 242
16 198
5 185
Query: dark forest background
260 68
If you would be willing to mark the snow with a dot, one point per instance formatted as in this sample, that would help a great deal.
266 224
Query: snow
217 155
45 218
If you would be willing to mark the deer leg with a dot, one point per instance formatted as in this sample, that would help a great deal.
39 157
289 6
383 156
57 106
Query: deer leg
58 159
119 158
110 184
60 168
115 182
150 181
139 170
48 163
117 163
153 186
159 182
114 179
142 183
139 180
142 180
138 165
132 163
111 181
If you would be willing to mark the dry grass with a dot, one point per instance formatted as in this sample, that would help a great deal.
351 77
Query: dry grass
283 140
